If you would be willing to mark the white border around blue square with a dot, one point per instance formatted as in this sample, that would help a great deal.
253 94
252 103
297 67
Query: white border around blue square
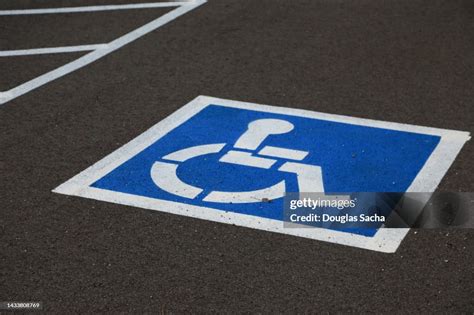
385 240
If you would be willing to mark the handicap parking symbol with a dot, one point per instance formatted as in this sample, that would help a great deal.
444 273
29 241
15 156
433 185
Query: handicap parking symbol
233 162
165 177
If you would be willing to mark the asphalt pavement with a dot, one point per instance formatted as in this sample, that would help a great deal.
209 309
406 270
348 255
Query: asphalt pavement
402 61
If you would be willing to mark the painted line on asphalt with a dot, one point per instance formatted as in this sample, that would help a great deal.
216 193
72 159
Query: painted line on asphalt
57 73
51 50
96 8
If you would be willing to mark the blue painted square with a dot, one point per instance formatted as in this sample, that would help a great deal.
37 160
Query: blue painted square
353 158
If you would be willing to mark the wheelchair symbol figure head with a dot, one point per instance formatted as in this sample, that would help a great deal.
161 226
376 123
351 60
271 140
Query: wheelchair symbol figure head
259 130
309 177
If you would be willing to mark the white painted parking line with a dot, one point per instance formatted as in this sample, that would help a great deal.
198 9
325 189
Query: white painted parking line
182 8
51 50
96 8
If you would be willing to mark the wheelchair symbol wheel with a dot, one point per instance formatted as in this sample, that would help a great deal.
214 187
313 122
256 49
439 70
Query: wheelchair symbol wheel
309 177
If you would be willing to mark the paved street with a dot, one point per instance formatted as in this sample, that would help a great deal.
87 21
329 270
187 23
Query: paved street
403 61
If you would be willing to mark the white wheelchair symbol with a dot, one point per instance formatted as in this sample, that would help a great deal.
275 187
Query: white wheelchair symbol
309 177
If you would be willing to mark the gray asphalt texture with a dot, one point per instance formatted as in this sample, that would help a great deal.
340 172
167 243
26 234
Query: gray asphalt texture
407 61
